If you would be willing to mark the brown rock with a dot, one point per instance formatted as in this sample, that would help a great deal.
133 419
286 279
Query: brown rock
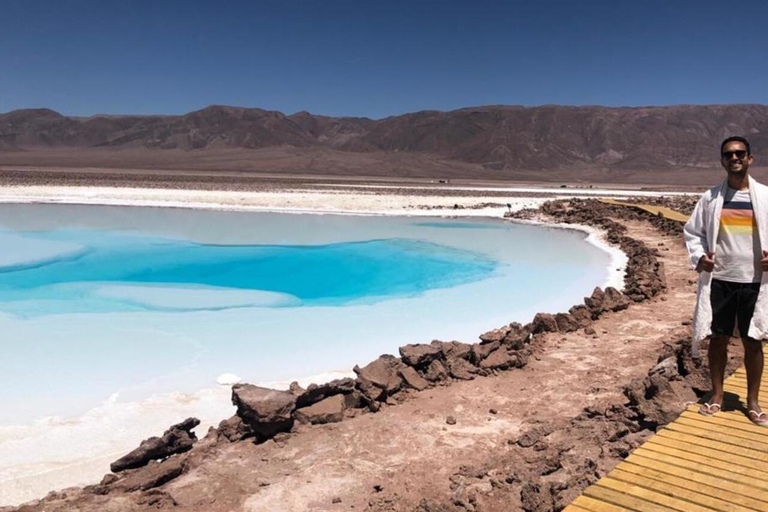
369 391
533 435
328 410
481 351
543 322
451 420
517 335
614 300
315 393
494 335
109 479
499 359
454 349
413 379
382 373
667 368
566 322
595 302
353 400
659 400
153 475
266 411
177 439
581 314
461 369
436 372
234 429
295 388
419 355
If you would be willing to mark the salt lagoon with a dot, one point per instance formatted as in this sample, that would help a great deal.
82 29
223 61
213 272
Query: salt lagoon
116 316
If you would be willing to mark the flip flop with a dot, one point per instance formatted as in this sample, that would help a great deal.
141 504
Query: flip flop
706 409
758 418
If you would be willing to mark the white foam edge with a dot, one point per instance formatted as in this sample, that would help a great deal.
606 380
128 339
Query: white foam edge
447 211
618 264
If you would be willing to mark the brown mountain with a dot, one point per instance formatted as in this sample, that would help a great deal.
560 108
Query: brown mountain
494 138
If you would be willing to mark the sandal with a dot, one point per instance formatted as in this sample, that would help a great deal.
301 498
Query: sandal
758 418
707 410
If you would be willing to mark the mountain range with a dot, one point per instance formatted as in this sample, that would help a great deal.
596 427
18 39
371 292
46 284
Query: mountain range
495 139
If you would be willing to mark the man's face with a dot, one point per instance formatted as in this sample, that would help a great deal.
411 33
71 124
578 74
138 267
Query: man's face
735 158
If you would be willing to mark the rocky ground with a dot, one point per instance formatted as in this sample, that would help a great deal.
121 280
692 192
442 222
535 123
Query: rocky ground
524 420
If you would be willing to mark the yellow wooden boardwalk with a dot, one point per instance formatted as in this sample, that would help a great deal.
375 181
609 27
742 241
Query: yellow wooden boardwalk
695 464
655 210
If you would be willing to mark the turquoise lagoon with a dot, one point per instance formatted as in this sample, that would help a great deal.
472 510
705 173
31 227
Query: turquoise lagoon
131 303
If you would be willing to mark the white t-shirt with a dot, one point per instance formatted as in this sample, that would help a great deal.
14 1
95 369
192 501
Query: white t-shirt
738 252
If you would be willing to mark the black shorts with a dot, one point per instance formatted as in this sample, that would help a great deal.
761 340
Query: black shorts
732 301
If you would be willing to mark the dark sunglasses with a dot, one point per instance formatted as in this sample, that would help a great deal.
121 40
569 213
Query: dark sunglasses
741 155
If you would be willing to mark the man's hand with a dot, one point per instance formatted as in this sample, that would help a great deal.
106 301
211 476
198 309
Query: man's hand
707 262
764 261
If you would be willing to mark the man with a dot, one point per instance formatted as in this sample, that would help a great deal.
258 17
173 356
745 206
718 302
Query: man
725 237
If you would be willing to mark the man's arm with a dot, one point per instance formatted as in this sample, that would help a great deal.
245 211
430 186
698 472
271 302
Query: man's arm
696 238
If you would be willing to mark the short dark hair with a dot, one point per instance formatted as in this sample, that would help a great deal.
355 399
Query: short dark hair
736 139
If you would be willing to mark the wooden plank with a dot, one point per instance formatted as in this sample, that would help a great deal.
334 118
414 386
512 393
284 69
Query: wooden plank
706 461
741 450
742 494
594 505
642 499
690 491
652 209
621 499
710 456
658 496
737 385
575 508
736 438
671 463
717 427
732 420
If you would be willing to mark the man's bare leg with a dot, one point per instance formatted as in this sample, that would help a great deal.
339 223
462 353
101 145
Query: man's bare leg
718 359
753 361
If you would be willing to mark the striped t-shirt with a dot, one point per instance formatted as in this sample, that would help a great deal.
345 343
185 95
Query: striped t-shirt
738 253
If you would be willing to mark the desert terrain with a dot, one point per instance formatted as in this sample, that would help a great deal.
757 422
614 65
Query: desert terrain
523 419
527 431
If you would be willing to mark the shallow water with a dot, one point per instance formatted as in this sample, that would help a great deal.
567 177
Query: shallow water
139 301
108 272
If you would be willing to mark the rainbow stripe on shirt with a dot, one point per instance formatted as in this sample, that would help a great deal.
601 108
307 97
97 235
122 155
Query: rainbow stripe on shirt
737 218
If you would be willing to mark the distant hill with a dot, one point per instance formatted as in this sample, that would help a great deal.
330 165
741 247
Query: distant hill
494 138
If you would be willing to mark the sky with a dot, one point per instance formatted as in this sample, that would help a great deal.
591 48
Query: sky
377 58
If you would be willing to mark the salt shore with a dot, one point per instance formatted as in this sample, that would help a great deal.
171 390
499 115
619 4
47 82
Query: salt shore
49 463
371 200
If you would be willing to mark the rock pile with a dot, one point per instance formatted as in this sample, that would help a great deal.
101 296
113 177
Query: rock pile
262 413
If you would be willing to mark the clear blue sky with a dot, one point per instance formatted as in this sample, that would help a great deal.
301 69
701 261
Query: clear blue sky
377 58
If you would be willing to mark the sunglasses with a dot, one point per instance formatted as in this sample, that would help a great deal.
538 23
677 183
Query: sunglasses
741 155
